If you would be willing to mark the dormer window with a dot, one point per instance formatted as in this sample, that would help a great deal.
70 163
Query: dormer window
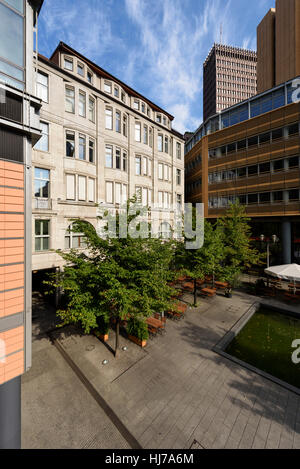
68 64
116 91
107 87
89 77
158 118
164 120
143 108
80 69
123 96
136 104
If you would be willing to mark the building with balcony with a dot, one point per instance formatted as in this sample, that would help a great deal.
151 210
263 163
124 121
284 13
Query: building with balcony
102 142
19 131
251 152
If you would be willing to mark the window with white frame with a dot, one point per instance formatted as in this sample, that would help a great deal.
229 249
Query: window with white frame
160 171
82 147
116 91
138 166
118 158
166 172
118 121
158 118
91 190
89 76
124 125
124 164
43 143
41 183
165 230
91 109
42 86
108 118
70 144
91 151
107 86
80 69
178 150
74 240
70 184
137 131
145 135
160 142
42 235
160 199
108 156
68 63
166 144
178 177
82 104
70 99
109 192
136 104
81 188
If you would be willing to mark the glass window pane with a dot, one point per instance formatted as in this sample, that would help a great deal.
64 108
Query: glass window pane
11 36
38 244
17 4
11 70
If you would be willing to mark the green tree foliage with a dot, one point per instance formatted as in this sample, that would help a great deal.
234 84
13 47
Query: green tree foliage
114 277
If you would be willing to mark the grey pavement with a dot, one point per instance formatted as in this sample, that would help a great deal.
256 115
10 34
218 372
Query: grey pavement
176 393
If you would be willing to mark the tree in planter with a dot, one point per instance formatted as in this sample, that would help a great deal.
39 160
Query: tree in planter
238 251
137 327
203 261
116 277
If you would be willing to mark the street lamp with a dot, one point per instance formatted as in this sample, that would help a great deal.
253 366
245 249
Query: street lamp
274 239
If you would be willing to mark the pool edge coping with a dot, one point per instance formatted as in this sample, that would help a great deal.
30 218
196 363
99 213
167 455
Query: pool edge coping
221 345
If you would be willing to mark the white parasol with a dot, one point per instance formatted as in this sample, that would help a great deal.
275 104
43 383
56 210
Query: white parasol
285 272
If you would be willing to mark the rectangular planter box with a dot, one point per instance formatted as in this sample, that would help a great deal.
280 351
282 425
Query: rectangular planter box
141 343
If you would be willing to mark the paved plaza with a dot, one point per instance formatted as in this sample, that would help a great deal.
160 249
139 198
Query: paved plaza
175 393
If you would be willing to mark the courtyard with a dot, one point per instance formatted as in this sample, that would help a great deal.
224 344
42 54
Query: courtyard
175 393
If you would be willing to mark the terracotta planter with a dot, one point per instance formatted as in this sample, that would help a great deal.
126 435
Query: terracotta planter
141 343
103 337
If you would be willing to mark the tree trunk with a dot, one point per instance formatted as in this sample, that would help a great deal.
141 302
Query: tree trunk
117 336
195 292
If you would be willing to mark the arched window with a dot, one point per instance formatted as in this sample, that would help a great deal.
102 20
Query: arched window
165 230
74 240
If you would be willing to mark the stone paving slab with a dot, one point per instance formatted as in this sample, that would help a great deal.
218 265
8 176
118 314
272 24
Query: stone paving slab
178 393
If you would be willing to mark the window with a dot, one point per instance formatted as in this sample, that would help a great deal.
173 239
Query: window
70 99
91 109
74 240
293 162
160 142
82 149
11 46
43 143
145 166
82 104
137 131
166 144
138 165
264 138
278 196
178 177
116 91
89 77
124 125
68 63
179 202
143 108
108 157
82 188
293 194
158 118
91 190
42 235
145 135
70 179
91 151
107 87
136 104
252 198
178 150
150 138
277 134
70 144
165 230
166 172
42 87
160 171
278 165
109 192
118 158
123 96
118 121
41 183
252 141
252 170
117 193
108 118
265 197
264 168
293 129
80 69
160 199
124 161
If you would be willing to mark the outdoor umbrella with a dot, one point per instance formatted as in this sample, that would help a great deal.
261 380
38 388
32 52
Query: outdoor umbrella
286 272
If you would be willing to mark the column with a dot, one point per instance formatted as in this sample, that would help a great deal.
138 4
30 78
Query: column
287 242
10 414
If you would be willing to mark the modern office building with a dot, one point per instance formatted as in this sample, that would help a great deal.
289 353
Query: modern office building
19 130
278 45
229 76
102 143
251 152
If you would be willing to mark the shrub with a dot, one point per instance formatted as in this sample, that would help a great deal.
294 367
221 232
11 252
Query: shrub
137 328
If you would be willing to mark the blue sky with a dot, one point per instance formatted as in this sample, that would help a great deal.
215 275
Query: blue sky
155 46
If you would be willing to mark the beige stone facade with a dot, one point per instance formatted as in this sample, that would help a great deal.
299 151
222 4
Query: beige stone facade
99 134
